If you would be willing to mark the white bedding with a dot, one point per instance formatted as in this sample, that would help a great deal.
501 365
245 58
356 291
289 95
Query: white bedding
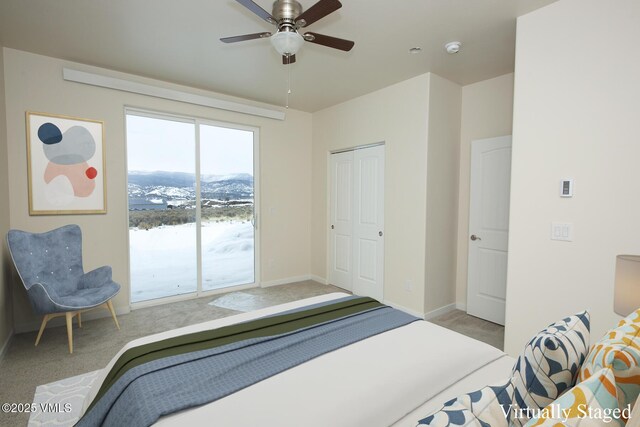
390 378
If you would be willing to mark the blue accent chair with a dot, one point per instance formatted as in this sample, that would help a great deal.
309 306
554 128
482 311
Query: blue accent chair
50 267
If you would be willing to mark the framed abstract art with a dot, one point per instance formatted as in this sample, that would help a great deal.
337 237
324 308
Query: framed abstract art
65 165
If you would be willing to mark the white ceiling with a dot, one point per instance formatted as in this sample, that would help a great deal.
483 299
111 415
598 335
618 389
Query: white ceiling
177 41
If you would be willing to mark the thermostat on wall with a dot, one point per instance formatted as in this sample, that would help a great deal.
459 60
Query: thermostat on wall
566 188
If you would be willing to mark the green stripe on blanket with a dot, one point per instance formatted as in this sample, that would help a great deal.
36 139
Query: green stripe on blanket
258 328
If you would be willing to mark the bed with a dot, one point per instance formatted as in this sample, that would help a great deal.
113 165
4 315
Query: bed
394 378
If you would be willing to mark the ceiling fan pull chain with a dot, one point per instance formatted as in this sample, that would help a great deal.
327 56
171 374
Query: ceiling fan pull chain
288 85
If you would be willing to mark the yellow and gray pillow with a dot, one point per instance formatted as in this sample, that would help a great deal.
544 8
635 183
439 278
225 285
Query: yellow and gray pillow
593 402
619 349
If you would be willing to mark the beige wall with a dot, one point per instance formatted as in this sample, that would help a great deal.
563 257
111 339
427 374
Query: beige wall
487 111
34 83
576 101
396 115
419 122
443 155
6 319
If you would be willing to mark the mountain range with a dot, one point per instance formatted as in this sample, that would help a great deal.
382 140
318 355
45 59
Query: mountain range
178 188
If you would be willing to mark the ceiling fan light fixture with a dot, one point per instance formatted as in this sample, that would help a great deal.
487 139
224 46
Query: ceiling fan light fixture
287 43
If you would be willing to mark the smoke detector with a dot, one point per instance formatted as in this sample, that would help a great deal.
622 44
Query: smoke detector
453 47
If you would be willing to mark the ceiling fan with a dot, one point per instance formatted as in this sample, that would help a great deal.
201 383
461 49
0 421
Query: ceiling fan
289 18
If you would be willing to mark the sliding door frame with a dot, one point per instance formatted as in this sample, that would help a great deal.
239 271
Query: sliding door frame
197 122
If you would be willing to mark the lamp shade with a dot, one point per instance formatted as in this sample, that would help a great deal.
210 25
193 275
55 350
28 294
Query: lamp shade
287 42
627 286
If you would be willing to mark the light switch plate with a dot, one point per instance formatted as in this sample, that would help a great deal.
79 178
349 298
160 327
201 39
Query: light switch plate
562 231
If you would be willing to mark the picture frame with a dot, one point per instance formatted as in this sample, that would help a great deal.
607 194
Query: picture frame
66 167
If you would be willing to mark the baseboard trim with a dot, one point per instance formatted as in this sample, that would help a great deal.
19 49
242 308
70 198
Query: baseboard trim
440 311
285 281
98 313
6 345
405 309
461 306
319 279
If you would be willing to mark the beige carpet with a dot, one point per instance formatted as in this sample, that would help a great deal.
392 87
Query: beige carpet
473 327
257 298
24 367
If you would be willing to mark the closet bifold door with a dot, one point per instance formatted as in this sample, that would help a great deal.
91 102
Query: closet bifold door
356 252
368 222
341 220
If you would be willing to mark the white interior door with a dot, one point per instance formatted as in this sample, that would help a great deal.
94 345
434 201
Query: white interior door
489 228
368 233
341 212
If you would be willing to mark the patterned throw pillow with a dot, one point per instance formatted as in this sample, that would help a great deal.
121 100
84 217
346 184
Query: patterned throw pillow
548 366
486 407
550 362
619 349
590 403
453 414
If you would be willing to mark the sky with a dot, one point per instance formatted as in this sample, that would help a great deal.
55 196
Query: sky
166 145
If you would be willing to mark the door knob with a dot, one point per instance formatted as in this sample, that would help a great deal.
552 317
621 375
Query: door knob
474 237
380 233
332 227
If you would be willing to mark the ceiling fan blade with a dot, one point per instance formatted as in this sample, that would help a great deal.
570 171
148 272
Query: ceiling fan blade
317 12
263 14
286 60
245 37
329 41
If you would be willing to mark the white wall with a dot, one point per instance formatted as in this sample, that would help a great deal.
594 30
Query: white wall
487 111
419 122
34 83
396 115
6 315
443 154
576 100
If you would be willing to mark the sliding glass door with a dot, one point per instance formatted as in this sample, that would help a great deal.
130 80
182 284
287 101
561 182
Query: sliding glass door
161 158
227 191
191 206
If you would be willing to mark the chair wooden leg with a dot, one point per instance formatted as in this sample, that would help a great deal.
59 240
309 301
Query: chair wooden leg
113 313
45 319
79 319
69 316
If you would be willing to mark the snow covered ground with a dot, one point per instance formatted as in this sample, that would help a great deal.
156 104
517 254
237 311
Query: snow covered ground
163 259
